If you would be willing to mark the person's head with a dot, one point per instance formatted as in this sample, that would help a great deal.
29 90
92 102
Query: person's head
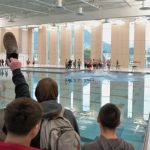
47 89
22 117
109 116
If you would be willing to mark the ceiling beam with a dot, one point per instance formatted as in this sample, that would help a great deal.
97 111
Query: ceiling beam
25 9
127 3
92 5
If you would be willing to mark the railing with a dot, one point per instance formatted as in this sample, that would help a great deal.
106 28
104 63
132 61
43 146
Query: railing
146 145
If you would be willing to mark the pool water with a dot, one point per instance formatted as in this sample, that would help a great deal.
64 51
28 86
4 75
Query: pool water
85 92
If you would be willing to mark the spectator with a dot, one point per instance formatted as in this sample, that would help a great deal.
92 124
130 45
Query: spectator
79 63
2 62
22 121
117 65
33 61
75 64
46 93
108 119
28 61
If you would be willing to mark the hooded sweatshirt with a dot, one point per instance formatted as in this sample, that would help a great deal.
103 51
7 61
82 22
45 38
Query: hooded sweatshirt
101 143
50 108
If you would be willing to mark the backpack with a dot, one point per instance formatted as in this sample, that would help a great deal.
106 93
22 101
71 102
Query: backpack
58 134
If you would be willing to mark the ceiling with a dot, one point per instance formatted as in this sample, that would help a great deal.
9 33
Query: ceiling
28 12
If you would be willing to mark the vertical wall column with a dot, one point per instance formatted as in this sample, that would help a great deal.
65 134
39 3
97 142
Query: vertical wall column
30 41
96 42
2 31
120 45
24 41
78 43
42 45
139 43
65 45
53 46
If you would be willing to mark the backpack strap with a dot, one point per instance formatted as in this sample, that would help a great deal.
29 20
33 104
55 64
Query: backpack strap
61 114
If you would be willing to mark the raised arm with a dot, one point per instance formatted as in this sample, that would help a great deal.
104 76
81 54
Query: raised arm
21 86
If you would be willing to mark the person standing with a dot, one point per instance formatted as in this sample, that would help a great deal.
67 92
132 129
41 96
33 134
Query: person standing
2 61
108 119
28 61
22 121
79 64
75 64
33 62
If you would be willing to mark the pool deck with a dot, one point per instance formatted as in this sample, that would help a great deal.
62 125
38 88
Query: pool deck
61 69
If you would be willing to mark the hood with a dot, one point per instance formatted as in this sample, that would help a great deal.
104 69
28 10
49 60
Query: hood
51 108
113 144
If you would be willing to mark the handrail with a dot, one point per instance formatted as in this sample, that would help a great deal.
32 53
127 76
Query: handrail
146 145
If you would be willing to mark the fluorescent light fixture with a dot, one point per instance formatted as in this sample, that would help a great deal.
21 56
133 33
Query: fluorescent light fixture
95 23
141 20
33 26
117 22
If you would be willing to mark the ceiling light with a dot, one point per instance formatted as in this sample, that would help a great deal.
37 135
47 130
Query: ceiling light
144 8
59 3
145 5
141 19
105 20
80 11
117 22
11 18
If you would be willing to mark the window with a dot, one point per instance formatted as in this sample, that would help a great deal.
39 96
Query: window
131 43
35 43
87 43
147 46
106 41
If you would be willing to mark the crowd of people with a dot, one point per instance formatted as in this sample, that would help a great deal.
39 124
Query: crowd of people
24 119
28 62
3 63
76 64
90 64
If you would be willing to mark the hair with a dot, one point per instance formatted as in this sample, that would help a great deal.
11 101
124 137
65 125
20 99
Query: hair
21 115
109 116
47 89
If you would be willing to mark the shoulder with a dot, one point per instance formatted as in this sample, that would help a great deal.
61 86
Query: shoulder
68 112
92 145
128 146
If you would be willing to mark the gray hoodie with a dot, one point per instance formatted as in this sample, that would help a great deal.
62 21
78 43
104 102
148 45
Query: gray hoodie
50 109
102 143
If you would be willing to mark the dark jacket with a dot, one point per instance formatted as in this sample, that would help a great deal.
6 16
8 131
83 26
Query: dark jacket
50 108
102 143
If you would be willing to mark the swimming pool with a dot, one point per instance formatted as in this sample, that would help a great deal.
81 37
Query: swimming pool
85 92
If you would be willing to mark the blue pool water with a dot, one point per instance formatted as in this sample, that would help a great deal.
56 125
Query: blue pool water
85 92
